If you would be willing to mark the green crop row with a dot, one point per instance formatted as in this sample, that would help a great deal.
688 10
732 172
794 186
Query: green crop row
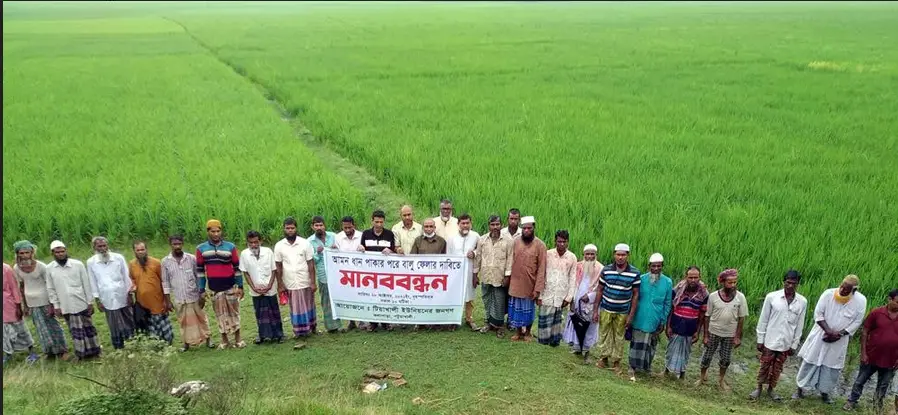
131 130
705 132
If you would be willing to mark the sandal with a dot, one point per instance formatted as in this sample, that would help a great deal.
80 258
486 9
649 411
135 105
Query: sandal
223 346
241 344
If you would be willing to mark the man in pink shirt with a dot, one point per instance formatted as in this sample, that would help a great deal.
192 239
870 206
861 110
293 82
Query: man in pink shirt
16 336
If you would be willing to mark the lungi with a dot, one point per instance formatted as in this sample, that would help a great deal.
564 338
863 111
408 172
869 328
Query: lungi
715 342
193 323
268 317
771 367
613 328
302 311
330 323
121 325
49 332
551 325
678 350
823 379
158 325
84 334
227 311
642 350
495 300
520 312
16 337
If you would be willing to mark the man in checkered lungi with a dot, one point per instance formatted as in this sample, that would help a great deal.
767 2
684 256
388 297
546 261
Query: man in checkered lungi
727 310
146 272
779 332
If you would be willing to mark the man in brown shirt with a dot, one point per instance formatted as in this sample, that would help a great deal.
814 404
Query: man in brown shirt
528 279
146 274
429 242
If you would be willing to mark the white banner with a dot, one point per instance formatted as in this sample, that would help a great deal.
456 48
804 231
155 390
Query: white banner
396 289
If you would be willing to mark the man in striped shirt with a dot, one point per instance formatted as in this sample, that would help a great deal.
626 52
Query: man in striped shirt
619 293
218 263
179 284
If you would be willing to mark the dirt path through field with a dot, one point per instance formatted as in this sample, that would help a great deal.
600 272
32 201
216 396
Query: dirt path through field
377 194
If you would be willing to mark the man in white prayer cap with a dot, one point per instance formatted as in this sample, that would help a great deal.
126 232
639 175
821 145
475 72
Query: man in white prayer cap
619 293
655 295
70 292
528 280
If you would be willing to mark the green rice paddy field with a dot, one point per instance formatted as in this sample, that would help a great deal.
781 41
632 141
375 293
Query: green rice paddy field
760 136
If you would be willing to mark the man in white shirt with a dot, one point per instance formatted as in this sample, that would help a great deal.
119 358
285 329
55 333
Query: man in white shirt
295 262
349 241
69 289
258 267
837 316
406 230
513 231
446 224
465 243
779 332
112 287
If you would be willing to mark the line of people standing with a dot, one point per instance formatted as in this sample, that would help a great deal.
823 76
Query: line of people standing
606 304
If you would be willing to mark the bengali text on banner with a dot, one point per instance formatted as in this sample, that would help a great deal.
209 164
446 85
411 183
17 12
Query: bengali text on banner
399 289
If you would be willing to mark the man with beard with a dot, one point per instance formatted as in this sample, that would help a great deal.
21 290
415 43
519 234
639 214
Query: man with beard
838 314
377 239
32 277
179 280
69 290
879 353
146 275
586 282
295 262
258 267
561 278
779 332
406 231
112 288
218 263
446 224
492 265
655 292
16 336
465 244
690 302
513 230
321 239
726 313
348 241
528 280
619 294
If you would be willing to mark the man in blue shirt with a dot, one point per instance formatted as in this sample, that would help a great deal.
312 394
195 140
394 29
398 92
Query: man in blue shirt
321 239
655 296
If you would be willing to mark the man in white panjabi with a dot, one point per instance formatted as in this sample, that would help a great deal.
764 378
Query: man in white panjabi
446 224
465 243
837 316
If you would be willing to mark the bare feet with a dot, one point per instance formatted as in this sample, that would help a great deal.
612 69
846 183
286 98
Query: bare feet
724 386
516 338
700 382
602 363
